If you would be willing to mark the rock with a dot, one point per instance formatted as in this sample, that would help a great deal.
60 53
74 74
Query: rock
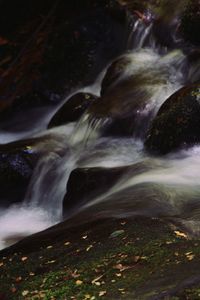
56 46
177 122
16 167
17 163
123 106
72 109
190 22
114 73
85 184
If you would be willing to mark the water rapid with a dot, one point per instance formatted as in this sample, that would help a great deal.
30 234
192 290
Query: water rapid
167 187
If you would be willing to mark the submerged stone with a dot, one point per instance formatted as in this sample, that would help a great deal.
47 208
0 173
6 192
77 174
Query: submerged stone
72 109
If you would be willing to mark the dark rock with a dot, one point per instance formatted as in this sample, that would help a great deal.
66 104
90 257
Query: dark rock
123 105
16 167
114 73
177 122
73 109
17 163
190 22
56 46
85 184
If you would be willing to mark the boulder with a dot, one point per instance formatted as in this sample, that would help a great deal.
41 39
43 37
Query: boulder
123 106
177 122
56 46
190 22
114 73
17 163
85 184
72 109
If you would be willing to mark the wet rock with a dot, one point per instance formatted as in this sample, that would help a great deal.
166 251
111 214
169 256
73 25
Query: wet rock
73 109
85 184
123 107
16 167
17 163
190 22
114 73
177 122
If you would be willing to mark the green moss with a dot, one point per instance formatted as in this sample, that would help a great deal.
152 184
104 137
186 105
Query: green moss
93 263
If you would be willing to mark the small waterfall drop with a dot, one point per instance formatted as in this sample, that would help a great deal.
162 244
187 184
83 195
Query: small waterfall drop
166 190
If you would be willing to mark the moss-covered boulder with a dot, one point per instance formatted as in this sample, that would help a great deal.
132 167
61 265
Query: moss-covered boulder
124 258
72 109
177 122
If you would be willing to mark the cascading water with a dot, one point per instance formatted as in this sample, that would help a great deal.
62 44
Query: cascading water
167 189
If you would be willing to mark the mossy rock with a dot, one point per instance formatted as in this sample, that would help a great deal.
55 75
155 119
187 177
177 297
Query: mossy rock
177 122
72 109
150 259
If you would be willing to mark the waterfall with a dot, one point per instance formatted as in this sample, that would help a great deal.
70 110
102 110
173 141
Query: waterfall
164 191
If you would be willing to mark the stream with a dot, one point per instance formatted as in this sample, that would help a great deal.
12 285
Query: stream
168 187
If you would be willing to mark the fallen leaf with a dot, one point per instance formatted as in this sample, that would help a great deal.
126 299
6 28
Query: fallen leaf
136 258
18 279
50 262
79 282
102 293
1 264
97 279
180 234
49 247
189 255
89 248
67 243
24 258
25 293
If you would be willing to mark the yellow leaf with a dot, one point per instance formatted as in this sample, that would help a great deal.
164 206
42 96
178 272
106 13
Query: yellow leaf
102 293
79 282
88 248
50 262
180 234
67 243
25 293
189 255
49 247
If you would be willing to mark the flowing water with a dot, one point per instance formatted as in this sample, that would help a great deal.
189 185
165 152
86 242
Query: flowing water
166 187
